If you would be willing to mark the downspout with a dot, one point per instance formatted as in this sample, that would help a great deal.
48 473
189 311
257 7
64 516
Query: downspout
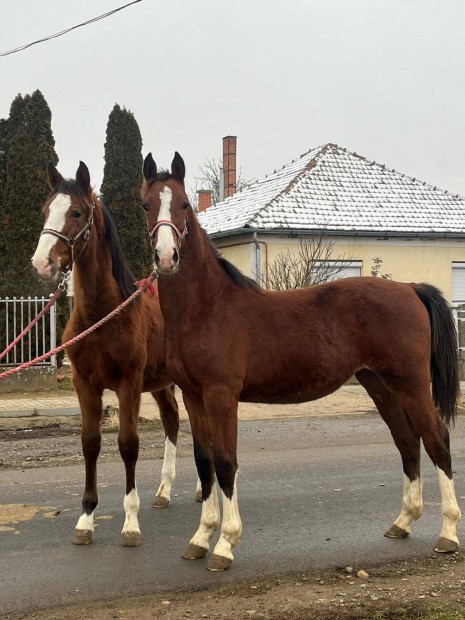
258 259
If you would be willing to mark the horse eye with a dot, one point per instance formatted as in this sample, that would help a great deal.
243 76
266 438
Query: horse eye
185 206
76 214
145 207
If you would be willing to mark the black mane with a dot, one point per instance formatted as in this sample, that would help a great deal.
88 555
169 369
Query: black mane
121 270
231 270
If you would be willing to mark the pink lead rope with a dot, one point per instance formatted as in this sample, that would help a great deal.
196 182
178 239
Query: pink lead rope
143 285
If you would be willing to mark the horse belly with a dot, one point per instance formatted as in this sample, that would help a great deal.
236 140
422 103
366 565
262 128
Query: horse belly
295 386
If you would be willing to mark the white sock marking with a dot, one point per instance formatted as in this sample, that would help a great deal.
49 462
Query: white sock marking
231 526
131 507
86 522
451 514
168 471
412 503
209 520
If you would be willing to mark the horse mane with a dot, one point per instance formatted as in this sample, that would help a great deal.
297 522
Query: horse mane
120 267
231 270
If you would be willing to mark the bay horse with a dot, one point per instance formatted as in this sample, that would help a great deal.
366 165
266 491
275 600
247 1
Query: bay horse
125 355
229 340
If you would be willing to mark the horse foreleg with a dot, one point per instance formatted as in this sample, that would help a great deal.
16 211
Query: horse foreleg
128 441
91 413
169 415
199 544
407 441
223 406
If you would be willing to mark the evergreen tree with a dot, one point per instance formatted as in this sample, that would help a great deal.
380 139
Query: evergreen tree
8 128
30 149
121 185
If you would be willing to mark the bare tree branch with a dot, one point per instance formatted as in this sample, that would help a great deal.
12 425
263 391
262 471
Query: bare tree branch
312 263
209 178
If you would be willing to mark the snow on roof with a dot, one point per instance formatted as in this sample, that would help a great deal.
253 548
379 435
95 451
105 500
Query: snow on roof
331 188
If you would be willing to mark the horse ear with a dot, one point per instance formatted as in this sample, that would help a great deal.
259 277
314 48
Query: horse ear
83 177
150 169
54 177
178 169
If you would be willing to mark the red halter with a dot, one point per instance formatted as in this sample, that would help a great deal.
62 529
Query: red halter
169 223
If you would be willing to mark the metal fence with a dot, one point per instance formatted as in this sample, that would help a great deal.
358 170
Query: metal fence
15 314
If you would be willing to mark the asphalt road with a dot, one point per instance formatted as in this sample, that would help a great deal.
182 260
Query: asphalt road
313 493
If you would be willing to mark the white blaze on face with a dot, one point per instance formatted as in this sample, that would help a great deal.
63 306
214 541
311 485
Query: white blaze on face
55 221
165 241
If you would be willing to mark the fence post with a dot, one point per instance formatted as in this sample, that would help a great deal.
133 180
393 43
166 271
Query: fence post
53 334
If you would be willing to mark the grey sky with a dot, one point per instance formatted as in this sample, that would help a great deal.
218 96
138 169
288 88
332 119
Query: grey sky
384 78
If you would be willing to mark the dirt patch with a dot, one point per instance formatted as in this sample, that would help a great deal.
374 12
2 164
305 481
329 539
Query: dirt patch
54 446
404 590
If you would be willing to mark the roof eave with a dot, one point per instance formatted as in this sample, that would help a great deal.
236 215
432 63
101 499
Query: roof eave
295 232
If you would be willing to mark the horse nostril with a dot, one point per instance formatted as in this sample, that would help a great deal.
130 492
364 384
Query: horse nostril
156 257
175 256
49 260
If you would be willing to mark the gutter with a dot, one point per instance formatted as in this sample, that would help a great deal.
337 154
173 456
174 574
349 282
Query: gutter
258 258
296 232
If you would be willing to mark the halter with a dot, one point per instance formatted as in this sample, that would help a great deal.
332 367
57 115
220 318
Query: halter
70 241
180 235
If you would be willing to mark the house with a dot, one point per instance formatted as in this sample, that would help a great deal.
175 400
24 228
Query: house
368 210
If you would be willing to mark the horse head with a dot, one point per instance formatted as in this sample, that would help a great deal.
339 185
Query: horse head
167 206
68 214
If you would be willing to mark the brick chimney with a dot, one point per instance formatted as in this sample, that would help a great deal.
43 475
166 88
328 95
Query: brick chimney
204 199
229 165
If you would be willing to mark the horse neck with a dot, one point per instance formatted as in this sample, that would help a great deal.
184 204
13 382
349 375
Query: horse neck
197 278
96 291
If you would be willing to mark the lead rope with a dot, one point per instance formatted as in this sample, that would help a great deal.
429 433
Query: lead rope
143 285
61 287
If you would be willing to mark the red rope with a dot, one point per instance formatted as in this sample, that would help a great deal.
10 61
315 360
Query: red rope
143 285
44 310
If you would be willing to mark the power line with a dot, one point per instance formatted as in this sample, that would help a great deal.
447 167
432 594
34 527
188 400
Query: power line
59 34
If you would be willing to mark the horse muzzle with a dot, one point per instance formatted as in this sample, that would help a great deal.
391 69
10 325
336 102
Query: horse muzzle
166 262
47 269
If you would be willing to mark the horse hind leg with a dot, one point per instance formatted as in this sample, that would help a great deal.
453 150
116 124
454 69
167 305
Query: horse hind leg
407 441
128 441
91 413
169 415
415 398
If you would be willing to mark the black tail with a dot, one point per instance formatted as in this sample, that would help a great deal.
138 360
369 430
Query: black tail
444 351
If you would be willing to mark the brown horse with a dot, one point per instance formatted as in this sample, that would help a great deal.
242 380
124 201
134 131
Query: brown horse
125 355
228 340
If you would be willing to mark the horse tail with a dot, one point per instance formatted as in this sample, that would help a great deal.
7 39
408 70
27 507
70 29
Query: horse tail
444 351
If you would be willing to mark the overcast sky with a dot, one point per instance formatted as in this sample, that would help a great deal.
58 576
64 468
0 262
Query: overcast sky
384 78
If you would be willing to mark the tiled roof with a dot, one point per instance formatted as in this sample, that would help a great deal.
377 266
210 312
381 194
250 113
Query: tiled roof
331 188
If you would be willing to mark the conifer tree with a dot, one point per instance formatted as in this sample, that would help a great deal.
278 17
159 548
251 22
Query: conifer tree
121 185
8 128
30 149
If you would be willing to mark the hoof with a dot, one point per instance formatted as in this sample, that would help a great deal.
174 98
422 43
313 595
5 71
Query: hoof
130 539
194 552
160 502
396 532
82 537
198 497
445 545
218 563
